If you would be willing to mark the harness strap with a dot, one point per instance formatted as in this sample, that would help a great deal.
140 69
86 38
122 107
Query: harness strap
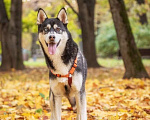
70 73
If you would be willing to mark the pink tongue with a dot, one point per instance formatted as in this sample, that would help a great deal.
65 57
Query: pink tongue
52 49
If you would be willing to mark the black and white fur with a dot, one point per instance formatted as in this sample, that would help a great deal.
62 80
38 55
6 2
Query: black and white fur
61 62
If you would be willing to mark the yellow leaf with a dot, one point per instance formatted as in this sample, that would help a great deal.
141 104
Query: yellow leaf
122 110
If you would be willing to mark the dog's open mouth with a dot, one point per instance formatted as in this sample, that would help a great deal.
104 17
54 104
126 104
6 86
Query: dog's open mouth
52 47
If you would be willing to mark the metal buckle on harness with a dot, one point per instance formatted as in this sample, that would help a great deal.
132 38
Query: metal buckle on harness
70 75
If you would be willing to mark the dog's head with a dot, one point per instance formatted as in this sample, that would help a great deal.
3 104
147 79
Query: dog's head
52 32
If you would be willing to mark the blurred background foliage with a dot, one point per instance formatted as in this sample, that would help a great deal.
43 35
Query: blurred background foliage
106 40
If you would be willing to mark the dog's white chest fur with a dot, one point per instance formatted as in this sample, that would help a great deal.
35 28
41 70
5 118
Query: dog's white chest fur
60 67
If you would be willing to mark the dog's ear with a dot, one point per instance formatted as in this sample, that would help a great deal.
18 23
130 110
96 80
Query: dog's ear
41 16
62 16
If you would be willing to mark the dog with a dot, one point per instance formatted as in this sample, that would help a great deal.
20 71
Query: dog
67 65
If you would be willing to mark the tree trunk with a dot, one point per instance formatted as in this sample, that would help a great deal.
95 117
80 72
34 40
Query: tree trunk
143 17
11 36
18 10
4 24
130 54
6 61
86 18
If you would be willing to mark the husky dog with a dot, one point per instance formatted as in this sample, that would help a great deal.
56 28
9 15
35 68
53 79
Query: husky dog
67 65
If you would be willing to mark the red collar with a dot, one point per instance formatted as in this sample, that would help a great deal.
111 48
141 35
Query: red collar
70 73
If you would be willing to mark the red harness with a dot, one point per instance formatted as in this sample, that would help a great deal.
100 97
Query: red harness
70 73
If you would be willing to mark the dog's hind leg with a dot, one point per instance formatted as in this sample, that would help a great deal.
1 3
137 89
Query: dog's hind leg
55 104
81 106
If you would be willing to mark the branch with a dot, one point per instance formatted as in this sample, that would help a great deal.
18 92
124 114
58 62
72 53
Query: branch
72 7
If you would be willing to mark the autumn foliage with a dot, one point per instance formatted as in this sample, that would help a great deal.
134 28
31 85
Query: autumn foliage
24 96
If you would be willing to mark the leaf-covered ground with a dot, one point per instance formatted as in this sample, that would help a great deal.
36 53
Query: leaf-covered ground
24 96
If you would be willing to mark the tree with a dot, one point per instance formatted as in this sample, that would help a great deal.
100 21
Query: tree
143 17
86 19
10 32
130 54
4 23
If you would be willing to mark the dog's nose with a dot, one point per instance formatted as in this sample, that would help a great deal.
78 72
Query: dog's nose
52 37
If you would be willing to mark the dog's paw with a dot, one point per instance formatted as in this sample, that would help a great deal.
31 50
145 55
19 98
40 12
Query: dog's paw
74 109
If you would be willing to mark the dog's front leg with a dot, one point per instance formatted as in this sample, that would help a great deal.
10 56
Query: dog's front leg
55 104
81 106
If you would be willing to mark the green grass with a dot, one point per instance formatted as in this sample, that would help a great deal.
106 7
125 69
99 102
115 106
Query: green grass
106 62
114 62
37 63
110 62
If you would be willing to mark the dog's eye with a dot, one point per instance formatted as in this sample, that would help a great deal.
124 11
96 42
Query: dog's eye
45 29
58 29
